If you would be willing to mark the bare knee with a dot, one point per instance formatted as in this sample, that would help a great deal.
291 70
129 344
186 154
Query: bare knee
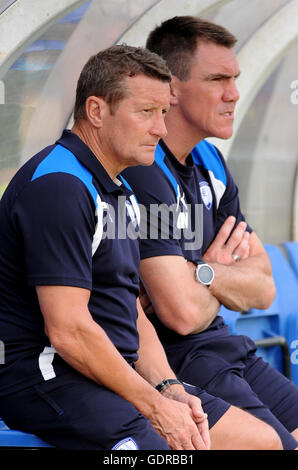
271 441
239 430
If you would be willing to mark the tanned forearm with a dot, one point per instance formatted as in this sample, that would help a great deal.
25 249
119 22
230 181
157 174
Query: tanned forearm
152 363
182 304
245 284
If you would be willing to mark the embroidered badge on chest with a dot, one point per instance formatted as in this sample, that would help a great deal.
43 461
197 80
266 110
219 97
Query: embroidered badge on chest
206 194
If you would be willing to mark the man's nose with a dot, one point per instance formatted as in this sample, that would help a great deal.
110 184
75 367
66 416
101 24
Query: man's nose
159 127
231 91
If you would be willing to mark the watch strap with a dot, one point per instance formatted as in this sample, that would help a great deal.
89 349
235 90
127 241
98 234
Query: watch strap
166 383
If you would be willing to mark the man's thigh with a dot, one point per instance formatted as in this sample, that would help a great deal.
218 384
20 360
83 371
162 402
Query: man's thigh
76 413
219 367
275 390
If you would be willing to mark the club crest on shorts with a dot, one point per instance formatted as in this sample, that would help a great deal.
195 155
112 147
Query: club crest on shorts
126 444
206 194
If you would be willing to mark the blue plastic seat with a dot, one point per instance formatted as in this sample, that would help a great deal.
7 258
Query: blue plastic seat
11 438
275 329
292 252
263 327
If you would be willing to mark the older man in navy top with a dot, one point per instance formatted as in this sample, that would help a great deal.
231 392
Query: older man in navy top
81 360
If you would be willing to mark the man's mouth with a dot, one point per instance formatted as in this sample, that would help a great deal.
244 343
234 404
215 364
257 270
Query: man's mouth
154 144
228 115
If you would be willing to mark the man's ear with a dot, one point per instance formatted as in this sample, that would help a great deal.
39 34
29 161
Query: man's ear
95 108
174 89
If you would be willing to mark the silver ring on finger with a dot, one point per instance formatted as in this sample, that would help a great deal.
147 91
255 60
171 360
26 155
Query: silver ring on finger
235 257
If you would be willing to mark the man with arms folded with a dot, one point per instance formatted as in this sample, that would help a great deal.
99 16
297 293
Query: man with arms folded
188 175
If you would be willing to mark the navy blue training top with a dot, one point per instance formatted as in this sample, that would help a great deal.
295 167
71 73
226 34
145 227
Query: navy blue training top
63 221
193 201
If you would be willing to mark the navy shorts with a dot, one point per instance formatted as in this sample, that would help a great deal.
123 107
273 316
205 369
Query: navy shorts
72 412
226 366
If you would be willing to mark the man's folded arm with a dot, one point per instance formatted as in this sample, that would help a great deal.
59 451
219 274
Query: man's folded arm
181 303
244 284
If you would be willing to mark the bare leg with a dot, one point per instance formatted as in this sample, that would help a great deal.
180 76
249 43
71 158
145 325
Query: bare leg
295 434
238 430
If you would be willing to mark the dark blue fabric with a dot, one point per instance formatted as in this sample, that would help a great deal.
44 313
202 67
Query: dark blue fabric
209 359
53 216
72 412
208 191
226 366
169 184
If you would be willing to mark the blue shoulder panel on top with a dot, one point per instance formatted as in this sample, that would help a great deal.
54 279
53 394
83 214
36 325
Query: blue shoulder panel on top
159 160
206 155
62 160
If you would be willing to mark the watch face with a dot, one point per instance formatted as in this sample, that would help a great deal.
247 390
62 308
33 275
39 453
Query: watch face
205 274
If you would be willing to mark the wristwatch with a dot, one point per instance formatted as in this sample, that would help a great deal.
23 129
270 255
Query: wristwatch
204 273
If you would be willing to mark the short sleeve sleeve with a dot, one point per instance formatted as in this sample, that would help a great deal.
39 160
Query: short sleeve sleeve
56 217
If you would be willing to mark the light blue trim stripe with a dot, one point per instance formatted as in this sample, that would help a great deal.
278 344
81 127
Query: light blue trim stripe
62 160
159 159
128 187
205 154
126 183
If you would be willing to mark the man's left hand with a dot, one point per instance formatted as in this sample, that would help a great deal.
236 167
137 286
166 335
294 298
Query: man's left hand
230 244
176 392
